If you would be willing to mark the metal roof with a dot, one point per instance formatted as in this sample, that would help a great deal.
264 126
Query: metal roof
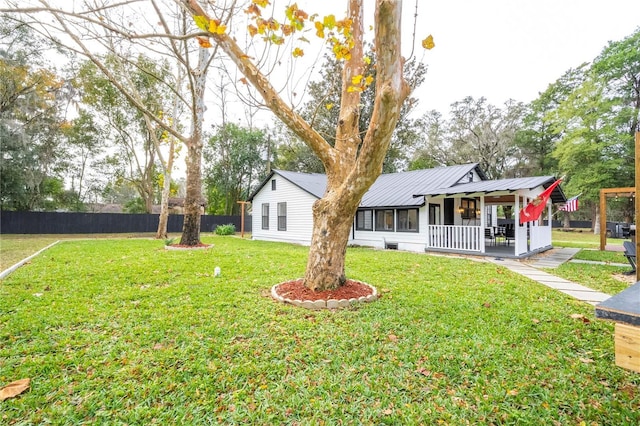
407 188
502 185
398 189
313 183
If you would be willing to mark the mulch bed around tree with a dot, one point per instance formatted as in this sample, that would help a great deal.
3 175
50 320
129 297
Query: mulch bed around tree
295 290
199 246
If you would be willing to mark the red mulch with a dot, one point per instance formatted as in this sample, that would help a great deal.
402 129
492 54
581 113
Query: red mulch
295 290
187 247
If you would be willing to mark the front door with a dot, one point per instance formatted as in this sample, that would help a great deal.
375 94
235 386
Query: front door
449 211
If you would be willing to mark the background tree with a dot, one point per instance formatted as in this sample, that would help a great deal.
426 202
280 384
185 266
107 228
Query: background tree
480 132
33 98
597 121
84 147
123 125
94 30
430 148
233 165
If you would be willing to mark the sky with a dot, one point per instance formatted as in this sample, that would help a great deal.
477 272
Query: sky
503 49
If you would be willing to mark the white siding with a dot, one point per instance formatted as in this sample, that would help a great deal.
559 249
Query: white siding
409 241
299 213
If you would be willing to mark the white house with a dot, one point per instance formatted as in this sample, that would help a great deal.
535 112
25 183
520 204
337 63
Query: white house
442 209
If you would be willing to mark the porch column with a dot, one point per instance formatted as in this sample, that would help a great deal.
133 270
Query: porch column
426 203
483 223
516 223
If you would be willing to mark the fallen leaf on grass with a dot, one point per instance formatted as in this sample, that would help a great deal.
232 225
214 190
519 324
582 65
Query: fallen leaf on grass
580 317
14 389
423 371
393 337
535 320
586 360
512 392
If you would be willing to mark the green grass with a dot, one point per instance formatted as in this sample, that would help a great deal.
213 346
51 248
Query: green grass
585 239
597 277
125 332
601 256
15 247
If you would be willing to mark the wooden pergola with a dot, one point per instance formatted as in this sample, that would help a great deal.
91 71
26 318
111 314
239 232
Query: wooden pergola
606 193
621 192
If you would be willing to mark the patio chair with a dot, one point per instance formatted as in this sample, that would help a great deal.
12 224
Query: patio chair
510 235
630 254
488 235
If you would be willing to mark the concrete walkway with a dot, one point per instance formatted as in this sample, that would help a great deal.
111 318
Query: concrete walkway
553 259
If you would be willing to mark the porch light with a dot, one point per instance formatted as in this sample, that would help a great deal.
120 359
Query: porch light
477 212
460 210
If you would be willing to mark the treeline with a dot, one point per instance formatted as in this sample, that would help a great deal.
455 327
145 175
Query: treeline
68 138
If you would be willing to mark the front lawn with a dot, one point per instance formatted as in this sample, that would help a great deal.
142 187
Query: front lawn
125 332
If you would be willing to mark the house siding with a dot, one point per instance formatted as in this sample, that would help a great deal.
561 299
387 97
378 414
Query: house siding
299 224
407 241
300 191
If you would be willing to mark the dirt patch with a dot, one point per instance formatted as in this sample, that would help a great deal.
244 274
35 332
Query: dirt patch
630 279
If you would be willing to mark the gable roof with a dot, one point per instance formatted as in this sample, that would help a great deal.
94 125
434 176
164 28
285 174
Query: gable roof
313 183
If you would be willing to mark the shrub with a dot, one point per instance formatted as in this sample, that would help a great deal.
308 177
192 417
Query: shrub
229 229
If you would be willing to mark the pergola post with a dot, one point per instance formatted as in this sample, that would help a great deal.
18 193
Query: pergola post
637 203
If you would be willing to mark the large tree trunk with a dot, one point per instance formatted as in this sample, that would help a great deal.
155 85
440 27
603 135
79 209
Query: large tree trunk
191 225
351 173
331 228
193 196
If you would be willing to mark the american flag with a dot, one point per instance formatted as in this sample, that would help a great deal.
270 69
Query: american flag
571 205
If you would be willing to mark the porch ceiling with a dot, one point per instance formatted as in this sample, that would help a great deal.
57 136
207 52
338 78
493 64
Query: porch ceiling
499 188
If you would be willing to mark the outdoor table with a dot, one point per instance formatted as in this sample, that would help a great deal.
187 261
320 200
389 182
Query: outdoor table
624 310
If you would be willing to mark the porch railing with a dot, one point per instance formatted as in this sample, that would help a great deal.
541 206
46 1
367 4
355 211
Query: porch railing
455 237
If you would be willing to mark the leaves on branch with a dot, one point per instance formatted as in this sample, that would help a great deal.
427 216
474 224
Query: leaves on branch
336 32
213 26
201 22
216 28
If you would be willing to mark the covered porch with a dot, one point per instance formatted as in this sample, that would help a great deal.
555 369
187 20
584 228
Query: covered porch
467 219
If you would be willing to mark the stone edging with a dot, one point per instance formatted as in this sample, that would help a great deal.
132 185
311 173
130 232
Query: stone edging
9 270
326 304
169 247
